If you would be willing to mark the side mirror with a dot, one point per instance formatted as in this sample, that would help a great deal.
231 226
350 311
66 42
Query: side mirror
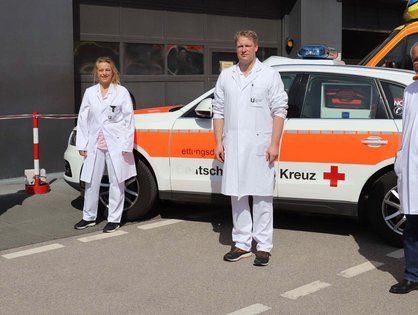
204 108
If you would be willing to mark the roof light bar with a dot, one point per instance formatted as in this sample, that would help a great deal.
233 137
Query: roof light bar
317 52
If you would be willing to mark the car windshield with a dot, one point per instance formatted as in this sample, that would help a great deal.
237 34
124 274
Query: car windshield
373 53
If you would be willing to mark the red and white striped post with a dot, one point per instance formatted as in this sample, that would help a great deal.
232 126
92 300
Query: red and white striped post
38 187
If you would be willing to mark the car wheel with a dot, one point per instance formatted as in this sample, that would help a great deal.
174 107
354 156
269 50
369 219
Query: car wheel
384 209
140 193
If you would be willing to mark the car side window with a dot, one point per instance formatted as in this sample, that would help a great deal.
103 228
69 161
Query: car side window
399 56
291 82
394 96
287 79
394 58
410 41
342 97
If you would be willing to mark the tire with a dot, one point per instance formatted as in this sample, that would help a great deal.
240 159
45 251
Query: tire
140 193
384 209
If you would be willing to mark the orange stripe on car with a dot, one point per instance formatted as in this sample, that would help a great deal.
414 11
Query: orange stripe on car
155 142
152 110
196 145
183 143
332 147
298 146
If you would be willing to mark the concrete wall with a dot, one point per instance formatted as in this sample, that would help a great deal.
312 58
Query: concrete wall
313 22
292 29
36 60
321 22
36 65
132 25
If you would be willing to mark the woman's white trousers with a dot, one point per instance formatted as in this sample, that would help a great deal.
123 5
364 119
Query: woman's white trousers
116 190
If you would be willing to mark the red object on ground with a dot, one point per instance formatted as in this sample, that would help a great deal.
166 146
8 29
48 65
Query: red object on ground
38 187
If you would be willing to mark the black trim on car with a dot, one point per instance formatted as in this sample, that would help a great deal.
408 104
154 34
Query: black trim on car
342 208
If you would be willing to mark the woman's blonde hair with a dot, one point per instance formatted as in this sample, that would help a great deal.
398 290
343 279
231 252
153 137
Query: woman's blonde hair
115 77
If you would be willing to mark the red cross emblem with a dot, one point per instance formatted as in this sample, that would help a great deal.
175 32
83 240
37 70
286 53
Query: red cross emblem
334 176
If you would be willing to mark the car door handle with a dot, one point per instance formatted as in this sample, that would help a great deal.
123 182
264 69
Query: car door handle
374 141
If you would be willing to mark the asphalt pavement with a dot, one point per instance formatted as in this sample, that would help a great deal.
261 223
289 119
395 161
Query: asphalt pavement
28 219
172 263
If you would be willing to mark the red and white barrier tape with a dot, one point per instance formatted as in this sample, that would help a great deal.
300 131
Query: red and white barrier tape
58 116
21 116
46 116
38 186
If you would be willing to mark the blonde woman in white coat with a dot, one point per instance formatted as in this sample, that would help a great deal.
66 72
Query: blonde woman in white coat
105 137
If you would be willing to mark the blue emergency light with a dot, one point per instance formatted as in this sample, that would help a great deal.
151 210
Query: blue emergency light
317 52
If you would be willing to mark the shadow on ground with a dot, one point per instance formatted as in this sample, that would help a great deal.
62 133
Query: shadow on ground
370 245
10 200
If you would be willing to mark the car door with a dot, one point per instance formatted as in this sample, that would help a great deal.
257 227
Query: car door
342 135
193 167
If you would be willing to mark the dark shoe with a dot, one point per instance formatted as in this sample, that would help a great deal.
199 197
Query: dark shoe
261 258
236 254
111 227
84 224
405 286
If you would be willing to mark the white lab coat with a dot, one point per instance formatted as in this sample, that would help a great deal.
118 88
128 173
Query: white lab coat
406 164
248 110
114 115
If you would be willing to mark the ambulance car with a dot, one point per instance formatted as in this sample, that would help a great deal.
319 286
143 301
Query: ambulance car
394 51
336 157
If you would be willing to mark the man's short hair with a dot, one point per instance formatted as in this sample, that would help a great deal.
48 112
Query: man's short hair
248 34
412 49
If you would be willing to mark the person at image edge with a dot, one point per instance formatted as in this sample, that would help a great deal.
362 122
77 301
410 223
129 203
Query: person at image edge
406 168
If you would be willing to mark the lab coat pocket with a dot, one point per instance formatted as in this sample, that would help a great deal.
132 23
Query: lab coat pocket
255 104
262 141
258 116
113 112
258 95
258 108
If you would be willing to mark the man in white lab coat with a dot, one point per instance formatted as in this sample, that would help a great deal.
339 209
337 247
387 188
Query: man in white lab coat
250 106
105 136
406 168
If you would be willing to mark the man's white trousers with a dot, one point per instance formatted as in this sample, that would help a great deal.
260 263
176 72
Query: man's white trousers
259 227
116 190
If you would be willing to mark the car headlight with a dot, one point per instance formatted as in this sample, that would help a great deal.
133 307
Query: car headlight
73 137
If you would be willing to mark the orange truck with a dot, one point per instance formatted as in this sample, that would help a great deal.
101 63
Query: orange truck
394 51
